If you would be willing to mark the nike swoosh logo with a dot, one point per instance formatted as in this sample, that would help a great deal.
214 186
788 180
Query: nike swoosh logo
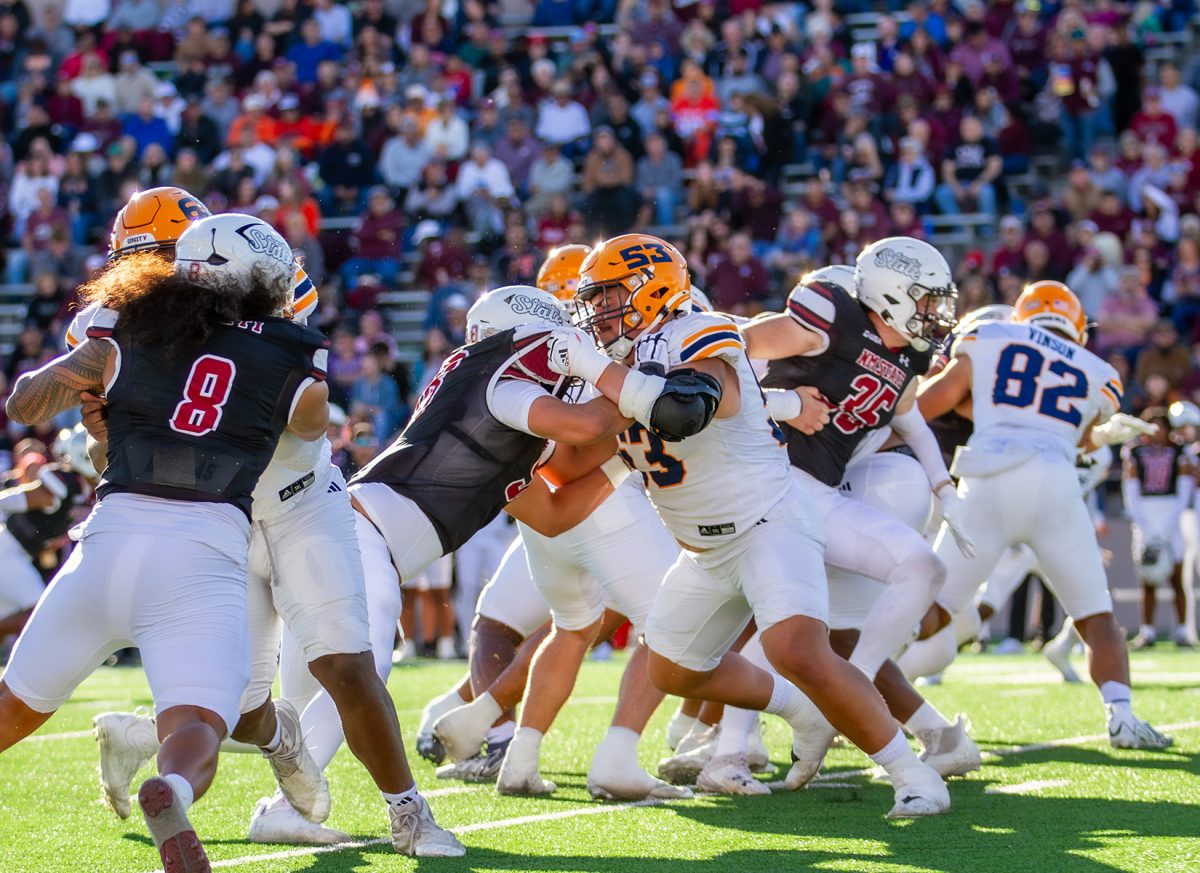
910 798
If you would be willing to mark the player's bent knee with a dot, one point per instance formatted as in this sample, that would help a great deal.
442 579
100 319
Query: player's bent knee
345 673
670 678
490 627
177 718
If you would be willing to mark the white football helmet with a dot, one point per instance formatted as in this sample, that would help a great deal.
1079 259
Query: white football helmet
841 275
1183 413
234 246
70 447
893 277
510 306
700 301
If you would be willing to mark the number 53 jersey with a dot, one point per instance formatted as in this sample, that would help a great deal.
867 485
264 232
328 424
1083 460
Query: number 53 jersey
712 487
1026 381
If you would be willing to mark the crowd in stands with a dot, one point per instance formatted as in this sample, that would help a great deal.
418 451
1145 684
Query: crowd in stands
445 145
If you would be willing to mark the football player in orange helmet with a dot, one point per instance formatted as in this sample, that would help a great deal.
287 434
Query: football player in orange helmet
1037 397
153 220
559 273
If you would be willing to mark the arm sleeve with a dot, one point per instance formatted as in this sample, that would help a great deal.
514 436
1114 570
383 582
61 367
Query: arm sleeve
510 400
1185 490
913 429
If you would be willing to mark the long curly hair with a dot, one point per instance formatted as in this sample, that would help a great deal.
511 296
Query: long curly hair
174 314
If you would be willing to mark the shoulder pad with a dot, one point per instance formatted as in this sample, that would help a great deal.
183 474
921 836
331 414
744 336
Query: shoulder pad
703 335
817 305
686 405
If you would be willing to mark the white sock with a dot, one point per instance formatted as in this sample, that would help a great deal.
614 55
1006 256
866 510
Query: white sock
927 657
501 733
401 799
1118 697
735 731
621 742
486 706
926 720
321 727
185 795
1148 632
525 748
789 703
897 758
275 740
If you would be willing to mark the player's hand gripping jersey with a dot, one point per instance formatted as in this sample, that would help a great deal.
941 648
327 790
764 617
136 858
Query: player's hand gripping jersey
860 377
713 486
1028 383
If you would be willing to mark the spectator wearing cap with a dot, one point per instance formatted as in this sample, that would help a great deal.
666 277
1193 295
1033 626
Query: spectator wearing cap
738 78
197 131
376 241
1074 80
347 169
132 84
906 221
168 106
516 262
651 22
1126 317
1164 356
1093 279
443 257
650 101
738 282
969 169
797 246
868 91
295 128
1179 100
610 201
911 179
447 135
1153 124
404 157
562 120
188 172
488 126
85 13
1009 256
694 111
78 192
310 50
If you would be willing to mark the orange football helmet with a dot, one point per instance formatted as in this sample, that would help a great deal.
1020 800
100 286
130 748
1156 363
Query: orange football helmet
635 280
1054 306
153 220
559 273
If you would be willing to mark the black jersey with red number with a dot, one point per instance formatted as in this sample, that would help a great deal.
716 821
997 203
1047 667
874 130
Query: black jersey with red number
203 426
1156 467
35 530
457 461
860 377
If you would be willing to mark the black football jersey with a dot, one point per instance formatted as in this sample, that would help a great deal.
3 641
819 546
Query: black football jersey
457 461
859 377
203 426
35 529
1156 467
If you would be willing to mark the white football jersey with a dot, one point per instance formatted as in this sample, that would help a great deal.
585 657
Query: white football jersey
297 466
1027 381
713 486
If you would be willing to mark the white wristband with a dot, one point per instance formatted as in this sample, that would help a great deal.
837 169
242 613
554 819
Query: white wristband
616 470
638 394
783 404
14 502
590 364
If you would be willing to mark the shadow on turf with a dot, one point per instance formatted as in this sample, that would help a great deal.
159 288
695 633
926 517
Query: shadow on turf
984 833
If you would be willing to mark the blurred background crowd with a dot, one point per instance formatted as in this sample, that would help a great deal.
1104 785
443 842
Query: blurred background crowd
419 152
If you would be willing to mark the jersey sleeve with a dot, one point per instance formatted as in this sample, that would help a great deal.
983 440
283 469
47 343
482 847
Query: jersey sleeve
704 336
94 321
814 307
1112 392
531 363
304 297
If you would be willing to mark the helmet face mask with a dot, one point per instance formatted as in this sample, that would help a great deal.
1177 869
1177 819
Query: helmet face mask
607 313
908 284
933 315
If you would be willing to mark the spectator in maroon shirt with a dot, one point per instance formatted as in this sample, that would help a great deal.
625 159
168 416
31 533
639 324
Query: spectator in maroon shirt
1112 216
63 107
1026 39
905 220
738 282
869 92
873 218
848 239
1010 255
908 81
818 202
1153 123
1000 75
444 259
756 208
376 241
1074 72
971 54
1043 228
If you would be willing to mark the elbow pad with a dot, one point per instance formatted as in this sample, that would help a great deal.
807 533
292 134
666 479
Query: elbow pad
686 406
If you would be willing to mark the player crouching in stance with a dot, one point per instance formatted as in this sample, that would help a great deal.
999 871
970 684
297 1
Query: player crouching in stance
717 470
200 380
1037 396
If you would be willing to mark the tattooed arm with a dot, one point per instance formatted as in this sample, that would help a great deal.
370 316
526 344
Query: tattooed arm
39 396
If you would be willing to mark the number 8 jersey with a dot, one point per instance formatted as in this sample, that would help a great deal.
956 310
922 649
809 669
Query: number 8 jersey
714 486
1024 379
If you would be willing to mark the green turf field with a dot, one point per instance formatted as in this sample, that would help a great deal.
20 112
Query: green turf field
1057 799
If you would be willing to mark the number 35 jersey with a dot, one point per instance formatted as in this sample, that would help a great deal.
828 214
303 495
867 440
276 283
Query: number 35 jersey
1027 381
860 377
716 485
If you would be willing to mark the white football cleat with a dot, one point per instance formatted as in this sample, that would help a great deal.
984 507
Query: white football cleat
693 752
428 746
1130 732
463 729
922 794
174 836
808 752
521 781
484 767
274 821
299 777
415 833
950 750
127 741
730 774
678 728
616 776
757 756
1058 653
446 650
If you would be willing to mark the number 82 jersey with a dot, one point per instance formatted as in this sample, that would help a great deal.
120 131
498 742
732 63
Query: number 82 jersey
1025 379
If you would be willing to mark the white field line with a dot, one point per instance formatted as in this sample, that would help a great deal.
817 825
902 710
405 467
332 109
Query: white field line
1027 787
45 738
602 809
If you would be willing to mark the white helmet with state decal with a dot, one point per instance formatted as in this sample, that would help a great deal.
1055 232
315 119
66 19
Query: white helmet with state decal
841 275
908 284
510 306
235 247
